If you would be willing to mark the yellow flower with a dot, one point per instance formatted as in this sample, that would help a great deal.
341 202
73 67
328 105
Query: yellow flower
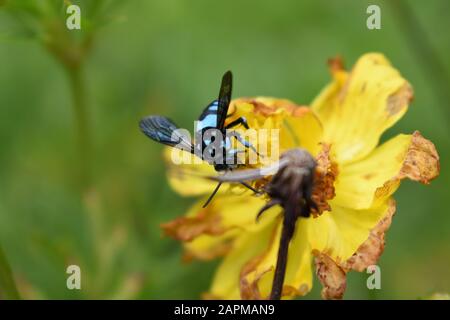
355 180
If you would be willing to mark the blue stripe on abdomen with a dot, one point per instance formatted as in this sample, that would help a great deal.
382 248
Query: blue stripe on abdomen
210 121
209 118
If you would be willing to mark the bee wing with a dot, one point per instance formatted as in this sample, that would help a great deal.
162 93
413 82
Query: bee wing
215 113
165 131
224 98
252 174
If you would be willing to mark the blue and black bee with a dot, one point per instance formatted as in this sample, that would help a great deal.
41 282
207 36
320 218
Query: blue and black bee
209 127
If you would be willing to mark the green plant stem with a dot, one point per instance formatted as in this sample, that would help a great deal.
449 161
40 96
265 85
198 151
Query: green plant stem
8 288
428 58
82 125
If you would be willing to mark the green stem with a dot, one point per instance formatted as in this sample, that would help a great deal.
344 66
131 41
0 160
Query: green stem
8 287
82 125
427 57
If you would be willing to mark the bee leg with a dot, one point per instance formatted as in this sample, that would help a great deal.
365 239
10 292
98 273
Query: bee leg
232 157
238 121
257 192
212 195
267 206
244 142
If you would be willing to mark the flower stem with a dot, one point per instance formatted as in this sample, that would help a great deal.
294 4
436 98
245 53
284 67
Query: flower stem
8 288
82 124
280 269
432 65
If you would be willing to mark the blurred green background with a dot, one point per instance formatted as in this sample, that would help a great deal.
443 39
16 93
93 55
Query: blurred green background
137 57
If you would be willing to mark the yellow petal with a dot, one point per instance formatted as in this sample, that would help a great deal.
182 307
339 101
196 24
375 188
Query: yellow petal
370 250
189 178
222 214
207 247
339 232
298 125
226 281
357 107
299 266
209 232
374 179
304 129
332 271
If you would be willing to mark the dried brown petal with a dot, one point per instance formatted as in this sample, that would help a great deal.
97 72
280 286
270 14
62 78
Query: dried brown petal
187 228
331 276
422 160
397 101
336 64
250 290
370 251
420 164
